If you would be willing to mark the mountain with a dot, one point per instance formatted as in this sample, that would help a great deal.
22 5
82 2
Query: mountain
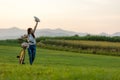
14 33
116 34
56 32
11 33
104 34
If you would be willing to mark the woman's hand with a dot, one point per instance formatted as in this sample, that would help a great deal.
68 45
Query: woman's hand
36 20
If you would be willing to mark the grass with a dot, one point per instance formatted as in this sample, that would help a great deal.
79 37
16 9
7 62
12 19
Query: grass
58 65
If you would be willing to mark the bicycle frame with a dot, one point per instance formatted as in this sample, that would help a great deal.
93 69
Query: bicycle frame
21 56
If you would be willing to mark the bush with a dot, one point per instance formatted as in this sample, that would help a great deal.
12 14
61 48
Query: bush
88 37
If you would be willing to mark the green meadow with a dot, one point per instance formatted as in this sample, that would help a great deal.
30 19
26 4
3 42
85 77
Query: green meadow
57 65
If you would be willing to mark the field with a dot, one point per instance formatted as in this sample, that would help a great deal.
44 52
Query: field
82 46
57 65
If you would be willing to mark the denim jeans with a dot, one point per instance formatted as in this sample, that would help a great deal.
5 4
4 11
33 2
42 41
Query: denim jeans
32 53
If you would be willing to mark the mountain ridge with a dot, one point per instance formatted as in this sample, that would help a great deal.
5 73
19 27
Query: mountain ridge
14 32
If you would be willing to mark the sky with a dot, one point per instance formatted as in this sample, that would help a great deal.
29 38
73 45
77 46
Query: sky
91 16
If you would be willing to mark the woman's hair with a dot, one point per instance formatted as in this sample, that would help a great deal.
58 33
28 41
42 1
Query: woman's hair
29 32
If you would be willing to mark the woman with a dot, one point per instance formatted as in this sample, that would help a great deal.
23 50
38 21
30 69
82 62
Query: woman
32 45
32 42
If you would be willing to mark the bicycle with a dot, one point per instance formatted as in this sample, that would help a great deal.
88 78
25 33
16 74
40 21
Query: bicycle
22 53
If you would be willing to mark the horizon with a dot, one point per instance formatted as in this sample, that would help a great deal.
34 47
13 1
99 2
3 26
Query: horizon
86 16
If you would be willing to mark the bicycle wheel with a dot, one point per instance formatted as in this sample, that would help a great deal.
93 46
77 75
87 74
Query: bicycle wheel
22 56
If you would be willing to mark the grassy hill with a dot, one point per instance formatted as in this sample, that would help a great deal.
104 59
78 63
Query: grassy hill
57 65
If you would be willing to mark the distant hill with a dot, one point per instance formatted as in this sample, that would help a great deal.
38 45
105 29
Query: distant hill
57 32
116 34
13 33
104 34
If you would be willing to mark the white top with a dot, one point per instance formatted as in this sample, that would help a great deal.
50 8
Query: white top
31 40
